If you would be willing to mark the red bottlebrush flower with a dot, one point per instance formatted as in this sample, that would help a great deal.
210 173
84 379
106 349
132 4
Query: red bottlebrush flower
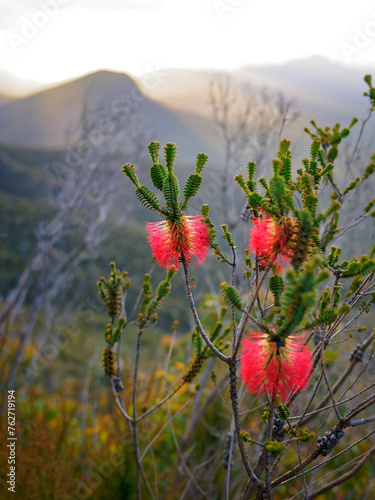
272 240
170 240
276 367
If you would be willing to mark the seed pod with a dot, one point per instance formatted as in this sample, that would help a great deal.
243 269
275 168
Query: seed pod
109 362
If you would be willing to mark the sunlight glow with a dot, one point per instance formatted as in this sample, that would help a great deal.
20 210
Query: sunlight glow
61 39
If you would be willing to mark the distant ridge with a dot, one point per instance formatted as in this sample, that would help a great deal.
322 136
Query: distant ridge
40 120
176 108
324 90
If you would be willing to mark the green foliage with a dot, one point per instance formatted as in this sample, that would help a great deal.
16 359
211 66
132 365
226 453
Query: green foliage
266 414
201 161
231 296
242 184
162 291
170 153
274 447
276 284
263 182
277 190
227 236
330 138
251 169
109 362
326 317
192 186
129 171
352 185
333 256
171 191
245 436
305 435
153 148
366 304
255 201
147 292
216 331
353 287
194 368
285 156
212 233
306 238
369 206
147 198
370 169
371 92
365 265
111 291
197 341
158 174
333 209
299 297
297 305
282 412
309 195
194 181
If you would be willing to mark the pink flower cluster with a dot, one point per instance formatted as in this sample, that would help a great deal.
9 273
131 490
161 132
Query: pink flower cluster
279 368
171 240
272 241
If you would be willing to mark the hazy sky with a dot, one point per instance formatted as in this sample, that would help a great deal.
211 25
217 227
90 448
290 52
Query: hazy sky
54 40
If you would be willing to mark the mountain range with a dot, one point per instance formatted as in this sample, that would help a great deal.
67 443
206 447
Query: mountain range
175 105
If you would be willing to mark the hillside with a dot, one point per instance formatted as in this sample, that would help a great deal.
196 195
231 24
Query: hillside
324 91
42 119
175 105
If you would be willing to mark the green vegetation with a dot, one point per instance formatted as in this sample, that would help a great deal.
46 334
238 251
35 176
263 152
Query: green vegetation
156 406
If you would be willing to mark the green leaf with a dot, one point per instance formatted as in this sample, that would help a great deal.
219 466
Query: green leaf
285 156
231 296
326 317
239 178
163 289
277 189
197 341
192 186
216 331
171 191
299 297
158 174
129 171
332 153
276 284
153 148
282 412
251 169
170 152
147 198
314 150
201 161
255 200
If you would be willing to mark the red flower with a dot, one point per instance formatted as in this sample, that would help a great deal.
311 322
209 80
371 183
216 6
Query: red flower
171 240
278 368
272 240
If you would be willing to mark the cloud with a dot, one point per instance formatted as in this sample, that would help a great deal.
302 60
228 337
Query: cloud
118 5
11 13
